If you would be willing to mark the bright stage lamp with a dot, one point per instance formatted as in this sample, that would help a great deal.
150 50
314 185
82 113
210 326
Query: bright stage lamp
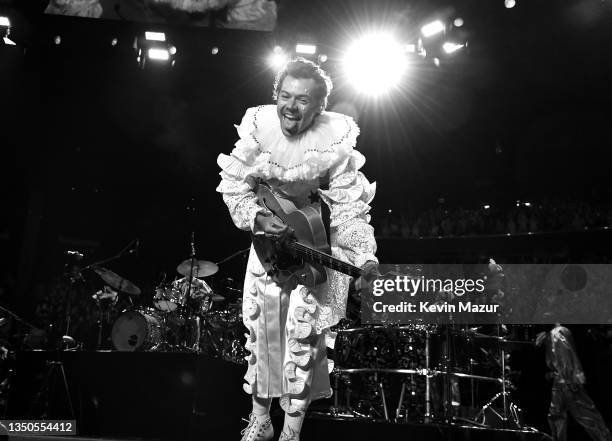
375 64
155 36
158 54
433 28
307 49
450 47
4 21
277 59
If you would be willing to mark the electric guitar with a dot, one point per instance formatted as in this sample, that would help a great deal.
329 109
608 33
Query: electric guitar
298 257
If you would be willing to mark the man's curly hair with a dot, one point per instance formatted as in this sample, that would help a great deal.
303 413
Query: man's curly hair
302 68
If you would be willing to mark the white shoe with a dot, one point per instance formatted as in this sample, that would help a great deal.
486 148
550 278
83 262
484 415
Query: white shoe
289 435
258 429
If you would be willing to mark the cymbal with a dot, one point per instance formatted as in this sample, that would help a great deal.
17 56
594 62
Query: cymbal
201 268
117 282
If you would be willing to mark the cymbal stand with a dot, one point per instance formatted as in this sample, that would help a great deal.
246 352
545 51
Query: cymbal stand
447 386
73 273
427 416
188 294
508 407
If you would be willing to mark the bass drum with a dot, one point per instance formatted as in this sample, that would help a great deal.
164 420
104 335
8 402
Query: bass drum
137 330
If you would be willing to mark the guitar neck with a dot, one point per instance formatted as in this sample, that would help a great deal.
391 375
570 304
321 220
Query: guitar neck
324 259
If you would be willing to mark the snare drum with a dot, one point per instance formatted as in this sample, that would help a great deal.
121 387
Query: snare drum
137 330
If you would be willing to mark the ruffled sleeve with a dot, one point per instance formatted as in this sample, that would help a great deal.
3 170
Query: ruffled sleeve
349 197
238 173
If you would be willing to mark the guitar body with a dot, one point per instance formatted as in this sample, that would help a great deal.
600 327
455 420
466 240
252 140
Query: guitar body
306 227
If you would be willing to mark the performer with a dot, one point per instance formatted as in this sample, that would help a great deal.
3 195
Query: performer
306 155
568 393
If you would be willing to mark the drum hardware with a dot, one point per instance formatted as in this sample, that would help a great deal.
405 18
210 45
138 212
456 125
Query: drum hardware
105 300
510 415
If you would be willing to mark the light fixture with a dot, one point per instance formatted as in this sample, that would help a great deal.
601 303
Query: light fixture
155 36
277 58
154 47
305 49
159 54
450 47
433 28
375 63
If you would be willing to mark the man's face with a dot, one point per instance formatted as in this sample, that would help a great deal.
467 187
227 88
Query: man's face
297 105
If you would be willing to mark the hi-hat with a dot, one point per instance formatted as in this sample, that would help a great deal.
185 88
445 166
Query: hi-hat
201 268
117 282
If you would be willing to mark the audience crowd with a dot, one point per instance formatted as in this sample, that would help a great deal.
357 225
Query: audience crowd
523 218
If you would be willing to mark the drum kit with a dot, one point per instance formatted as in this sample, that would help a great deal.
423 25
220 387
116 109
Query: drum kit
185 315
425 373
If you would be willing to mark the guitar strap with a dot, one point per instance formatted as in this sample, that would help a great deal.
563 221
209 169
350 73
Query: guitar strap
325 211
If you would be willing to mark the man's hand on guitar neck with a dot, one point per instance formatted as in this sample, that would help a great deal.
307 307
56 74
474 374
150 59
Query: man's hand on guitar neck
369 271
269 225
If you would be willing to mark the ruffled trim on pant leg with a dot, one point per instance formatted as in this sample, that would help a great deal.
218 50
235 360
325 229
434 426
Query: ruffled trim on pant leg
251 312
297 370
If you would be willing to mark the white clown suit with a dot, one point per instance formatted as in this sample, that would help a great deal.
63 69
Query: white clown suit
288 331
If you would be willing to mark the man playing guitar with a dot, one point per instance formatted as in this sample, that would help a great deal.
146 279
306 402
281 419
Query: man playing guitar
292 161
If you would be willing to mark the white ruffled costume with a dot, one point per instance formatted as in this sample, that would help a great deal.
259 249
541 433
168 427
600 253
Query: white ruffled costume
288 331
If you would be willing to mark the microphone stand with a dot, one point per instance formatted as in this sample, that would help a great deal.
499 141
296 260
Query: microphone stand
128 249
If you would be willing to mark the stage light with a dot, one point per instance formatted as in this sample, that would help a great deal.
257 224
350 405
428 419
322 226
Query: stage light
375 63
154 46
527 204
433 28
276 60
458 22
486 207
214 50
509 4
155 36
114 42
450 47
57 40
305 49
322 58
159 54
436 62
5 31
277 49
410 48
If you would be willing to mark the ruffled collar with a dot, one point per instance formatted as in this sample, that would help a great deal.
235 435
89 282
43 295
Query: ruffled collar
264 151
